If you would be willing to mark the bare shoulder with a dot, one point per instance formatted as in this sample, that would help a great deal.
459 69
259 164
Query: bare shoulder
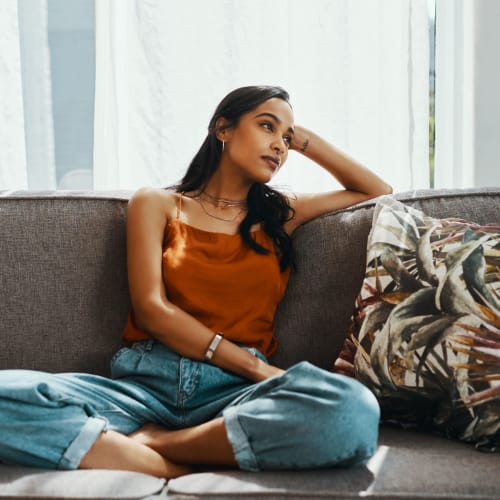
148 200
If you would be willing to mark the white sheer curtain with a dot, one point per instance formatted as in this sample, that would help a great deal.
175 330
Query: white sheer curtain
357 72
12 150
26 129
467 97
454 165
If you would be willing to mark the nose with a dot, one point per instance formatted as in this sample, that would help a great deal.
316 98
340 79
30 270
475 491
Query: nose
279 146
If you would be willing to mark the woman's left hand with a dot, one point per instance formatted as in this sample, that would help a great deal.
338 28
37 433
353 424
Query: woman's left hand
267 371
359 182
300 139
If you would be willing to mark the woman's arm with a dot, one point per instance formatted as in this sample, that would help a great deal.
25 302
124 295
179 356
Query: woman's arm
147 216
359 182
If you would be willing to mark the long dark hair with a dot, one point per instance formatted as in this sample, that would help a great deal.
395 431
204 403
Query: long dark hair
266 206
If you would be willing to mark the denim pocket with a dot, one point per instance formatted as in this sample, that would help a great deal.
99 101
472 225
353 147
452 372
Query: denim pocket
189 378
126 360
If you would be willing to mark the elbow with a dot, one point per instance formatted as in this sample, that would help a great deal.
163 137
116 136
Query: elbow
150 316
387 189
383 189
380 190
142 322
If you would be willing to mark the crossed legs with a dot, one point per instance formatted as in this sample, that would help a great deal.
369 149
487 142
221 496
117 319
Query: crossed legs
306 418
159 452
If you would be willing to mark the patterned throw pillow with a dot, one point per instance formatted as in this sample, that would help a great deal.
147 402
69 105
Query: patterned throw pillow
426 329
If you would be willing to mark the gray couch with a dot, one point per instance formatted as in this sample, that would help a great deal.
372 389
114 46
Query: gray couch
64 301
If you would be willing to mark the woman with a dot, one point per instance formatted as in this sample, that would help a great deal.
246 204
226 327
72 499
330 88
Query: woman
208 263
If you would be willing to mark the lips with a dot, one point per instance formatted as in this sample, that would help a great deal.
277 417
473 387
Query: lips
273 161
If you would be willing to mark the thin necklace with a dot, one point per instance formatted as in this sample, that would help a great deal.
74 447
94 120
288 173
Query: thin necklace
224 219
222 203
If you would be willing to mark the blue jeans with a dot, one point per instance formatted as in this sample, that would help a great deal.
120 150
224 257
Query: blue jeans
305 418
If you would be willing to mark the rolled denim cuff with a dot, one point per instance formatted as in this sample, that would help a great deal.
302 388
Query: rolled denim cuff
82 443
239 441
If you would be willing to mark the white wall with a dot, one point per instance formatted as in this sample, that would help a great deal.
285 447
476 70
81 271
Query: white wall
467 93
487 92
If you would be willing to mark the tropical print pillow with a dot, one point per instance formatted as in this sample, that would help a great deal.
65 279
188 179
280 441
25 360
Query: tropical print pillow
426 329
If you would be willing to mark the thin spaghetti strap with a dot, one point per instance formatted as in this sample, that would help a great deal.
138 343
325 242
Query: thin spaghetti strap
179 206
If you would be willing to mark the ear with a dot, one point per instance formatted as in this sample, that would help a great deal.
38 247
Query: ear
223 129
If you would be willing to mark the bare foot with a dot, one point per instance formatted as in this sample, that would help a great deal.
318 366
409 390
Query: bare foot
154 436
113 450
150 435
177 470
203 444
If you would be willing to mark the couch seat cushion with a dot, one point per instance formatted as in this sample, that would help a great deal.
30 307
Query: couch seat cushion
408 465
23 482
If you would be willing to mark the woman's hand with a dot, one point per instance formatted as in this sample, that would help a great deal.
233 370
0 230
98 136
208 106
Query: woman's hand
301 138
266 371
344 364
359 182
343 367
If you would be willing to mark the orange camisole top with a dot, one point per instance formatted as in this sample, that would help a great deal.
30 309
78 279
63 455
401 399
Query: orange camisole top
220 281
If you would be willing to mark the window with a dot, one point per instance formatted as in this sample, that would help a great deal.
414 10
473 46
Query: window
71 33
105 99
431 5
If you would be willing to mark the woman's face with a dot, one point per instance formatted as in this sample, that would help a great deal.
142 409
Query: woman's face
258 145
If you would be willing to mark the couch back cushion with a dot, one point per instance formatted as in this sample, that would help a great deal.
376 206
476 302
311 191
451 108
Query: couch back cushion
63 286
314 315
63 282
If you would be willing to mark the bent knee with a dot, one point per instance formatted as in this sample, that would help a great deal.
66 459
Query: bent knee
354 419
364 401
362 421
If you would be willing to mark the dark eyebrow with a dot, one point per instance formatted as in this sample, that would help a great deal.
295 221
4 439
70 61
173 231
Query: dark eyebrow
276 119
